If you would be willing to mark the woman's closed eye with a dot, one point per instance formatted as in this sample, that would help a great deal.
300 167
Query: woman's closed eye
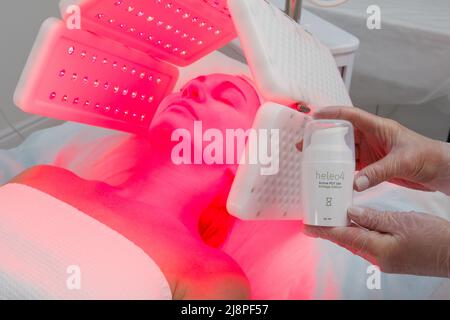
230 94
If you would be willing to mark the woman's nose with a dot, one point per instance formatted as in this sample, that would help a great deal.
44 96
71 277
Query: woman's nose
194 91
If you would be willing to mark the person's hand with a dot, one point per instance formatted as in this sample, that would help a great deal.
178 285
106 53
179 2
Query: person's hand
387 151
398 242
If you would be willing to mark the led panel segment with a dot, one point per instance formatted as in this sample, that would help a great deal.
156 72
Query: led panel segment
177 31
77 76
289 64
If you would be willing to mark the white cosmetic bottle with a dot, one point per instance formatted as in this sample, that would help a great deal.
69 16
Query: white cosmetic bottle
328 169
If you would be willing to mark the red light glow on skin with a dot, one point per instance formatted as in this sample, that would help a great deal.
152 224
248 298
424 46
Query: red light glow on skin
171 211
221 102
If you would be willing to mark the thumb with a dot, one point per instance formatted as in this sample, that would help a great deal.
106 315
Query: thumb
376 173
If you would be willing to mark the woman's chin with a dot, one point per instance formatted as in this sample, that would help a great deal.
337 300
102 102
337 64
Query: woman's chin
172 121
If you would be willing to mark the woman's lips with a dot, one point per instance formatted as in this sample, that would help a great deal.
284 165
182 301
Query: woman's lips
184 105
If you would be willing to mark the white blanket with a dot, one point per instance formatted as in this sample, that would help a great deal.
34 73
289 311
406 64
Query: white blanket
44 256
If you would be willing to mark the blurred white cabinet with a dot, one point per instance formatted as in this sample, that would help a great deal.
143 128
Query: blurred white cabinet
342 44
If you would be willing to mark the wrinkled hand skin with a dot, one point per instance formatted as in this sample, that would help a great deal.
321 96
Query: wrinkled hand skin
398 242
387 151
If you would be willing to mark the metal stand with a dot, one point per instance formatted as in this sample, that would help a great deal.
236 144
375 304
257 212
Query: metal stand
294 9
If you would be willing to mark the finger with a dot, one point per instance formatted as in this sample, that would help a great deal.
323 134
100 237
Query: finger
355 239
359 166
410 184
357 135
362 120
377 172
371 219
315 231
357 153
299 146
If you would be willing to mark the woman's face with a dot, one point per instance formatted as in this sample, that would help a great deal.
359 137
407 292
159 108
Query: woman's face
220 101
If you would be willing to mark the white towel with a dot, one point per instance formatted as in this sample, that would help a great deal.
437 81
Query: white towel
50 250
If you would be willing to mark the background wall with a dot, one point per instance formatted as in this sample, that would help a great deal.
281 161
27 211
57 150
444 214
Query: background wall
19 23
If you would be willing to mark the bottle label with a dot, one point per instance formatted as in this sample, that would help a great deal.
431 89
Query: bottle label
329 179
327 192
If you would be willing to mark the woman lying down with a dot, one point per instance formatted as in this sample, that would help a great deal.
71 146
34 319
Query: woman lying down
65 237
156 230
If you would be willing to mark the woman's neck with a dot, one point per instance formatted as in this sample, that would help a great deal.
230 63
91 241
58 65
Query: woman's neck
184 191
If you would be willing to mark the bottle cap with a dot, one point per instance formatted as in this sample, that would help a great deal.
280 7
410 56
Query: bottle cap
329 140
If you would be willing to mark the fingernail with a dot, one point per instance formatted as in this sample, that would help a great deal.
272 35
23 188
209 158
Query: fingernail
356 211
362 183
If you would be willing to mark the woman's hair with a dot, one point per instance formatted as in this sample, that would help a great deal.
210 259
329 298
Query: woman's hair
250 82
